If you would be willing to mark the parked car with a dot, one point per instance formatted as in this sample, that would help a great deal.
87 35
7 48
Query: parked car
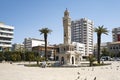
116 58
105 58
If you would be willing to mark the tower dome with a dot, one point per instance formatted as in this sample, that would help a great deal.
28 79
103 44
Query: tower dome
66 13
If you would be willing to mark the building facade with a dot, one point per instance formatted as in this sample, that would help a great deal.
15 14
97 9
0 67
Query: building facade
111 47
6 36
18 47
82 32
79 47
32 42
114 48
116 34
103 46
51 51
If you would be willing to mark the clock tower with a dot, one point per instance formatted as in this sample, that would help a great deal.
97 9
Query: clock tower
67 27
67 54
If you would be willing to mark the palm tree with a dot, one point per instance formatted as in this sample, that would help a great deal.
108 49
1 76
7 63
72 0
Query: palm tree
45 32
100 30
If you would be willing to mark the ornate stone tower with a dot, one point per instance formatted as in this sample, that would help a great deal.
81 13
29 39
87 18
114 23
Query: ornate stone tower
67 27
67 54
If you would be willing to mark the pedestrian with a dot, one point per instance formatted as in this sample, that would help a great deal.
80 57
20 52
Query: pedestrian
44 64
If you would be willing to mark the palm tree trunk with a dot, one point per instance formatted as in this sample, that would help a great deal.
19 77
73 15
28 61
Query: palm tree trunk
45 37
99 42
37 58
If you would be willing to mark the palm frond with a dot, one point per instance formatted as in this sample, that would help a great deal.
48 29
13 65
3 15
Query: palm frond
101 30
45 31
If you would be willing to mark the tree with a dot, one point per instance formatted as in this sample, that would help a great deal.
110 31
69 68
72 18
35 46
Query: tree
7 55
45 32
100 30
15 56
105 52
91 59
1 56
31 56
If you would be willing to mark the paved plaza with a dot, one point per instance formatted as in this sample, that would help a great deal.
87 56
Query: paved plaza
17 71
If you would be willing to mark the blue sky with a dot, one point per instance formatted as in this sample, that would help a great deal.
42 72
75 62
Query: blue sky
28 16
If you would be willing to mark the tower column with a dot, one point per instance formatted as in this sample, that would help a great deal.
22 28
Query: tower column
67 27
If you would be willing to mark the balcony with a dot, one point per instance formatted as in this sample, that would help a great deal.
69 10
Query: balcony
6 45
6 36
10 32
8 41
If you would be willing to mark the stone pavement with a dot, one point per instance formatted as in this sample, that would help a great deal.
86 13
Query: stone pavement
20 72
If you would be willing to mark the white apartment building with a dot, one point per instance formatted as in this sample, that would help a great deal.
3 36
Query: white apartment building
79 47
82 32
116 34
32 42
6 36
